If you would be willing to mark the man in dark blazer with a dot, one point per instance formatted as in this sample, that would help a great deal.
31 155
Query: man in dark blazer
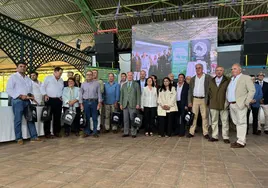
182 103
264 102
198 99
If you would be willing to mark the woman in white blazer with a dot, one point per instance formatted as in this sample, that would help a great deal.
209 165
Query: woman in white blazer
167 107
149 105
70 99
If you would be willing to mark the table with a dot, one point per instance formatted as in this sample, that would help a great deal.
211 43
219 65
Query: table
7 124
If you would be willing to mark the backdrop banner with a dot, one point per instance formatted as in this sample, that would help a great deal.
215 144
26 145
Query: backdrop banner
175 47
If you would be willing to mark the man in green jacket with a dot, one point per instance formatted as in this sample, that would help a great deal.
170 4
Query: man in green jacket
130 99
218 105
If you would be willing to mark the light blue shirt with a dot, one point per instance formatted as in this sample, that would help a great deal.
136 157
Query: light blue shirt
70 94
111 93
231 89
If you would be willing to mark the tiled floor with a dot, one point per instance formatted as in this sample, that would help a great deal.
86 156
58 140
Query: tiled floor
113 161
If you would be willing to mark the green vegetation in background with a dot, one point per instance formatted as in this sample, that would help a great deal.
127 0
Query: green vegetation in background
41 77
103 72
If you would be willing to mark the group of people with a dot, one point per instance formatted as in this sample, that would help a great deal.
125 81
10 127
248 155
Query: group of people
153 64
166 103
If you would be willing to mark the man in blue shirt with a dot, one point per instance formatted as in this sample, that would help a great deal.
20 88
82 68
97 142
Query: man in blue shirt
111 99
255 106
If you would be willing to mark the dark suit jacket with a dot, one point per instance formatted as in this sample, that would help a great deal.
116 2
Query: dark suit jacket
184 94
265 92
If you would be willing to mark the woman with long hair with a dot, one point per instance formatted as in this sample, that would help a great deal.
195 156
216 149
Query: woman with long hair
149 105
77 79
167 107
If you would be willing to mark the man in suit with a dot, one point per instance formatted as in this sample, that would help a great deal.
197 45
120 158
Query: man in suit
264 102
218 105
142 80
255 106
240 93
130 99
198 99
182 103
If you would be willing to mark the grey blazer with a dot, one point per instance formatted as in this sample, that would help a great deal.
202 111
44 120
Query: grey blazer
192 85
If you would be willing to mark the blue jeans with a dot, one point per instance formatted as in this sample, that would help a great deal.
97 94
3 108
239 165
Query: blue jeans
90 108
19 109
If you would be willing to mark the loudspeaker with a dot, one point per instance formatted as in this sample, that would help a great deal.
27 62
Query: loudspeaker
254 60
256 37
106 50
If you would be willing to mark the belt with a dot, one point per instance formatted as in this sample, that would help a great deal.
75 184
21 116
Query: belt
91 99
232 102
199 97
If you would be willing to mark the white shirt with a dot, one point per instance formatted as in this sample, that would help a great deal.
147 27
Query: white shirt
218 80
179 89
199 87
52 87
142 83
149 97
18 85
231 89
37 92
261 83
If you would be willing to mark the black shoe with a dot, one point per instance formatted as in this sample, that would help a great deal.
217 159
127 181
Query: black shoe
266 132
96 135
106 131
258 132
226 141
134 136
67 134
237 145
190 135
207 136
125 135
57 135
114 131
213 139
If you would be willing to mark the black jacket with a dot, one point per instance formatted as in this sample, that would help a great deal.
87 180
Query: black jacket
265 91
184 94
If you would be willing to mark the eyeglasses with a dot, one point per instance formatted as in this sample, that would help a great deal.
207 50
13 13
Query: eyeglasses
198 68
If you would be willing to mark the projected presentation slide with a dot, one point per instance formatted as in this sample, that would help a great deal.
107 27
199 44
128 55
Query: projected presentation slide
163 48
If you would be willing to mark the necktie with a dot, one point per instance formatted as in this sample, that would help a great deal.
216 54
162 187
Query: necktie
261 83
129 86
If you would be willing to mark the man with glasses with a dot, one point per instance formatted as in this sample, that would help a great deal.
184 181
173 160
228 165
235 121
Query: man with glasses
264 102
90 101
198 99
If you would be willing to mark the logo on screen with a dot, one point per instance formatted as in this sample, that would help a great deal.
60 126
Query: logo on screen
200 49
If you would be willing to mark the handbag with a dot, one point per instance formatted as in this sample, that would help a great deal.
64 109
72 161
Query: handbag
82 120
116 118
46 114
189 118
31 113
137 120
69 116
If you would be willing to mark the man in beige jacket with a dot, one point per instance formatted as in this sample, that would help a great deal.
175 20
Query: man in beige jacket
240 93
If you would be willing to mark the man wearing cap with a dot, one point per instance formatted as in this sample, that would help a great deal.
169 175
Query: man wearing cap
264 102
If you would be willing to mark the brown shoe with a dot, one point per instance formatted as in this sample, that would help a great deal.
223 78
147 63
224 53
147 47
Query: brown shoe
36 140
20 142
237 145
226 141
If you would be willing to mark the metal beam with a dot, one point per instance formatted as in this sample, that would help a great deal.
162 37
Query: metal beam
174 9
88 13
51 16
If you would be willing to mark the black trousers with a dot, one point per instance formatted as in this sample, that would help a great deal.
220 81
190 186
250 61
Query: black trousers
56 107
76 122
149 118
180 121
165 124
255 114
